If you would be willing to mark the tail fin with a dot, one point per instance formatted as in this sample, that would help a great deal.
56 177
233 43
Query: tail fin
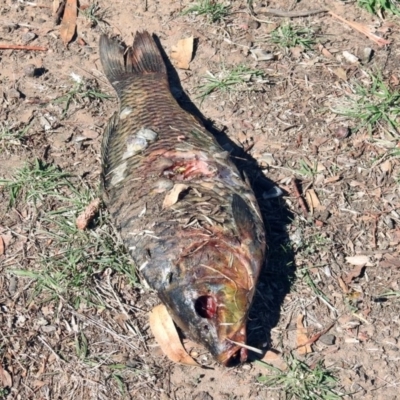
143 57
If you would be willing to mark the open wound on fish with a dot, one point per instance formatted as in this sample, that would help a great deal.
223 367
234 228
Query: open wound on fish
189 169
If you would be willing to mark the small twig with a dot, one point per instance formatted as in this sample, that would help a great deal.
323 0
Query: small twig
300 199
284 14
314 338
363 29
21 47
293 14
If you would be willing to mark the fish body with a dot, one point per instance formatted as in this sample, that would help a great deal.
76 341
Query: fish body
188 218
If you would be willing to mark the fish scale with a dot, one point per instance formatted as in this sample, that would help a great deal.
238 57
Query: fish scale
188 218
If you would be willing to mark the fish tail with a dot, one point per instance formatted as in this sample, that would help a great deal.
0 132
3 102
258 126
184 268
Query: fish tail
144 57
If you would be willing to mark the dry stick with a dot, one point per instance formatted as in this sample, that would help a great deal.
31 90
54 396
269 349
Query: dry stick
299 197
363 29
21 47
293 14
288 14
314 338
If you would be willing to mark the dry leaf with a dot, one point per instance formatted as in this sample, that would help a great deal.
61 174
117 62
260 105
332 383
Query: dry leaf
5 378
297 51
343 285
386 166
359 260
332 179
312 200
164 330
395 237
173 195
68 23
275 358
340 73
2 246
325 52
303 347
56 5
90 211
354 273
181 54
390 262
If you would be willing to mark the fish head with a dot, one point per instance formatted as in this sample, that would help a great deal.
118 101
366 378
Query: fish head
211 303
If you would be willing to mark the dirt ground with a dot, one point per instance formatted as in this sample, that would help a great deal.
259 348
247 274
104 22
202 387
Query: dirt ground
334 241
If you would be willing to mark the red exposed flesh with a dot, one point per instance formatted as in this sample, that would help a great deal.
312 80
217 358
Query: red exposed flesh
188 169
206 307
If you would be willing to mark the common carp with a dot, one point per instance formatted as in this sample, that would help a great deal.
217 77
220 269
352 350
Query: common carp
187 216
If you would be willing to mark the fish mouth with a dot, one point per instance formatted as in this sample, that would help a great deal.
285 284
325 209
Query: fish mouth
233 352
232 356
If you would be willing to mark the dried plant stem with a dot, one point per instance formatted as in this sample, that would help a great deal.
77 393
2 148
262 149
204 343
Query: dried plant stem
4 46
300 199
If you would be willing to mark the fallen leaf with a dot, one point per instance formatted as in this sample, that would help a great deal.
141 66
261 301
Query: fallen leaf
297 51
182 53
354 273
340 73
90 211
312 200
37 384
324 51
2 247
5 378
333 179
359 260
303 347
386 166
343 285
68 23
56 5
390 262
164 330
173 195
275 358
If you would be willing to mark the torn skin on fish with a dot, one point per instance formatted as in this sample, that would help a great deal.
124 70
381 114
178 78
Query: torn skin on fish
188 218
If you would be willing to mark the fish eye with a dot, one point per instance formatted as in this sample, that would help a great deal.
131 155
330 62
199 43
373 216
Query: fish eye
206 307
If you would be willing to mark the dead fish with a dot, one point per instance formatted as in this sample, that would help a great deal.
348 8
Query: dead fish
189 219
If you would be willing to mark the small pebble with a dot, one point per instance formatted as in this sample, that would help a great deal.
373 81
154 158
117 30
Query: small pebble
13 94
368 54
262 55
342 132
28 37
48 328
254 24
30 70
328 339
350 57
9 27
